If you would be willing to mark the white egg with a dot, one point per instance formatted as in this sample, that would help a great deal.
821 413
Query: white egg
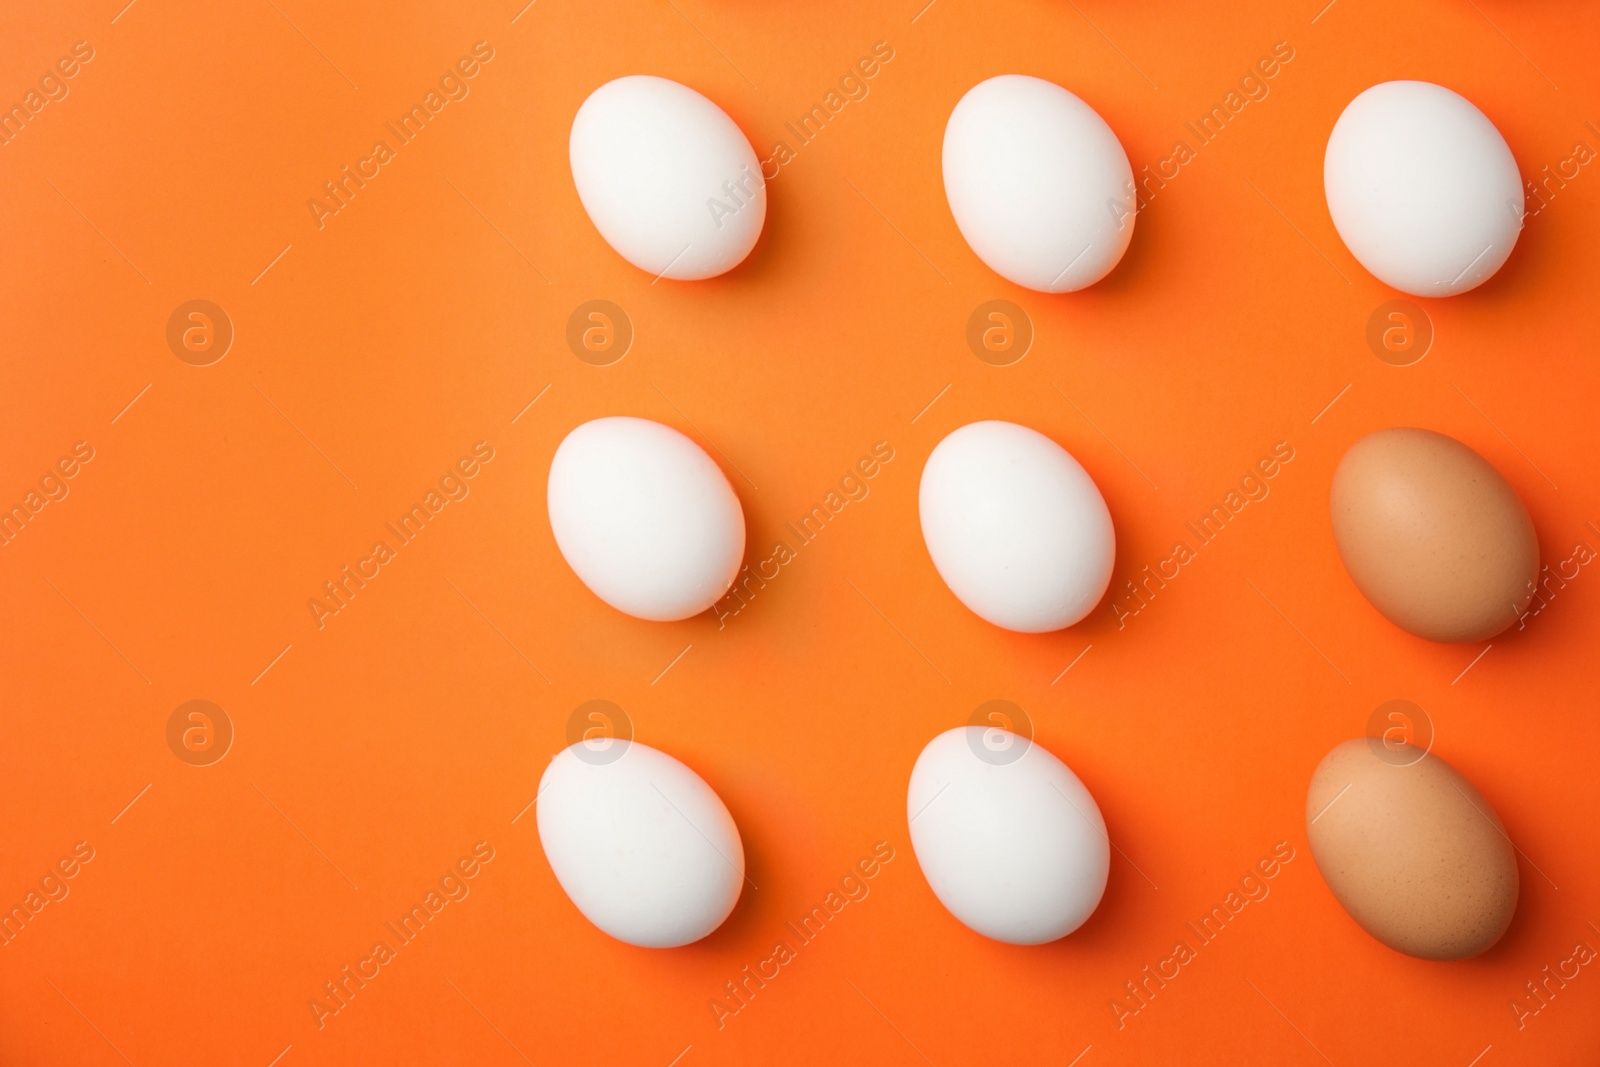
1016 527
645 518
1008 837
640 843
1038 183
1422 188
667 177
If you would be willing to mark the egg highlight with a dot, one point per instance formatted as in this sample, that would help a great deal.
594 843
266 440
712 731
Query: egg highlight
1016 527
1422 188
1009 839
640 843
644 518
1039 185
667 178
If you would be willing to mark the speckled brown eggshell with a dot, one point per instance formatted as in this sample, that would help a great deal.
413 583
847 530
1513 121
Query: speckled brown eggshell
1412 851
1432 535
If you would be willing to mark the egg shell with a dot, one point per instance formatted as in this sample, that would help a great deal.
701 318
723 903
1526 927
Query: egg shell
644 517
667 177
1422 188
1038 183
1411 849
639 842
1009 839
1016 527
1432 535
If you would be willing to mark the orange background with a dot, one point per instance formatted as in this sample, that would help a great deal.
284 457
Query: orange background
427 314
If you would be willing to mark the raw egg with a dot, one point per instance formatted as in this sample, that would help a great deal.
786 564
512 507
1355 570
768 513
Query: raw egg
1009 839
1411 850
1016 527
667 178
639 842
1432 535
1038 183
645 518
1422 188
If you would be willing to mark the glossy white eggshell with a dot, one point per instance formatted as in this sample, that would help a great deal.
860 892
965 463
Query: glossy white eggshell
1422 188
645 518
640 843
1013 845
1016 527
652 160
1039 185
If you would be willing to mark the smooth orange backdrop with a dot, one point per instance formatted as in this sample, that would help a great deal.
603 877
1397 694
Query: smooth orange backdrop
429 312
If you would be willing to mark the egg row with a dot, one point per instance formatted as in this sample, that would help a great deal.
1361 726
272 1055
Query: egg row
1428 530
1421 186
1012 843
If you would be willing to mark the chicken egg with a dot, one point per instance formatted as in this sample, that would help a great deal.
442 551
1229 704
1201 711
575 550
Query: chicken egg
667 178
1009 839
644 848
1422 188
644 518
1411 850
1038 183
1432 535
1016 527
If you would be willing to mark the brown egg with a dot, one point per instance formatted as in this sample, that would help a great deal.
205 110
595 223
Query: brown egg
1411 850
1432 535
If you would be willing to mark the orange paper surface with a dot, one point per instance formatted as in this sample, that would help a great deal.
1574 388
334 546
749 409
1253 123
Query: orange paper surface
373 748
